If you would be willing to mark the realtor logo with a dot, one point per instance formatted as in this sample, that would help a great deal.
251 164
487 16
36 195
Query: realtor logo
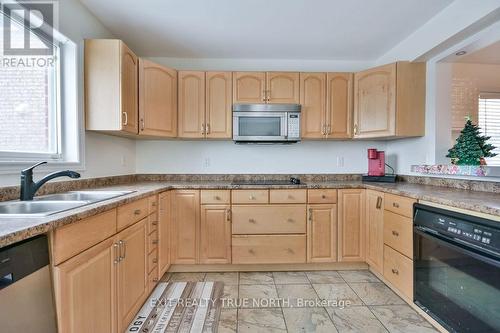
28 28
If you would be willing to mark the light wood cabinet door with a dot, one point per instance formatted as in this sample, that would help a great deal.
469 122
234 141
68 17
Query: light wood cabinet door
129 92
132 282
249 87
85 290
282 87
191 115
375 230
219 105
339 105
185 226
215 234
164 226
157 100
313 101
375 102
322 233
351 220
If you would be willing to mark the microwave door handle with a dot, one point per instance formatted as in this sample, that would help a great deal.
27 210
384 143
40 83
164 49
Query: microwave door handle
284 125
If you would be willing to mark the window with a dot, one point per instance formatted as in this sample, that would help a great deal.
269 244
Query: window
39 118
489 121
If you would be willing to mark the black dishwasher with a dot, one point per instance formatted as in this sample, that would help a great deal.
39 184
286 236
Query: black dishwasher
457 269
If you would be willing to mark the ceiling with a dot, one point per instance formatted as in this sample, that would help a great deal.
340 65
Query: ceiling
487 55
264 29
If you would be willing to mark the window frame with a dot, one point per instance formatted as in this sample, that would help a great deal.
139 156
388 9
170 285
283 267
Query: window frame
488 95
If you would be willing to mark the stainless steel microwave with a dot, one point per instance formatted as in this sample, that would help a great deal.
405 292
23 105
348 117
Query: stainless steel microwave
266 123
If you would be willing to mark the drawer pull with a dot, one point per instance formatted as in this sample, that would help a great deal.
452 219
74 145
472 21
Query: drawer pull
395 233
395 205
290 220
252 221
117 256
155 260
290 197
251 197
217 197
379 203
289 250
310 214
154 241
154 223
323 196
155 279
153 204
137 212
228 214
251 251
395 271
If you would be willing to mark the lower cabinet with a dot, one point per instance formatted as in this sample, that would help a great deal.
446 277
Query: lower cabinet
398 270
185 226
100 289
269 249
215 234
375 230
351 229
322 233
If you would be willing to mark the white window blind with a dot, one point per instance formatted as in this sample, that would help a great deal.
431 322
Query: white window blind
489 121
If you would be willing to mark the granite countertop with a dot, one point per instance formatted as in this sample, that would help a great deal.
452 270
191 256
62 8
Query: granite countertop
16 229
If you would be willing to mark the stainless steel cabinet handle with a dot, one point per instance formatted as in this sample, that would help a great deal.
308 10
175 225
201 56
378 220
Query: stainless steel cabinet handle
120 250
395 271
251 197
142 124
379 202
329 129
310 214
117 256
207 129
228 214
264 96
395 233
356 129
125 118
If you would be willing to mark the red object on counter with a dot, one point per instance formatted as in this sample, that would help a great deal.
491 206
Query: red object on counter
376 162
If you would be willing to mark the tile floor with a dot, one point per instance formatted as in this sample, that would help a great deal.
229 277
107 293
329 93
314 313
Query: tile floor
309 302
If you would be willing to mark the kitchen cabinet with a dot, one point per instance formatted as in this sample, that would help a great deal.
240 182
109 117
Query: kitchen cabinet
215 234
205 109
339 105
164 227
85 290
185 226
132 284
389 101
375 230
326 101
111 87
266 87
157 100
322 233
269 249
351 225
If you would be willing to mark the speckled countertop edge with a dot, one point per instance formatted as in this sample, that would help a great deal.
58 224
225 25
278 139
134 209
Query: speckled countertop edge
17 229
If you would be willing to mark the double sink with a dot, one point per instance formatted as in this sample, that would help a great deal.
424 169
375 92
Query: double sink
55 203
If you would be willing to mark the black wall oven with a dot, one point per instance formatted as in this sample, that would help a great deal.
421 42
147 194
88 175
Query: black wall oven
457 269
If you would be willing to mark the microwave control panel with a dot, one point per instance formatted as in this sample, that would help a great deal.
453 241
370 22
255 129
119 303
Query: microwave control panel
294 125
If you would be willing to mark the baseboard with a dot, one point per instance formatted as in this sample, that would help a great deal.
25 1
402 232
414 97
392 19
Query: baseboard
268 267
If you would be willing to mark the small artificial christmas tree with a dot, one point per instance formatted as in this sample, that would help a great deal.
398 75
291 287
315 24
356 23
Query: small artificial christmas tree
470 147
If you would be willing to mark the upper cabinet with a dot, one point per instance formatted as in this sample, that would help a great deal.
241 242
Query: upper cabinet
157 100
205 105
111 94
326 100
266 87
389 101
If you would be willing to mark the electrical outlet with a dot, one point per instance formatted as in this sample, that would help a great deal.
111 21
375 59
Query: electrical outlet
340 161
206 162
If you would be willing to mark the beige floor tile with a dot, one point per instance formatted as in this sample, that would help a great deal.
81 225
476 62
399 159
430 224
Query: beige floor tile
290 278
340 293
325 277
355 319
297 295
401 319
258 295
308 320
230 296
226 277
358 276
186 277
376 294
228 321
261 321
256 278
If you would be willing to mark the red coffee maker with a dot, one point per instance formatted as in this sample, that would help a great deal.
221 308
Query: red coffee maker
376 162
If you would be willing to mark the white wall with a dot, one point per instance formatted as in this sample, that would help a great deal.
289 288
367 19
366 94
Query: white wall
226 157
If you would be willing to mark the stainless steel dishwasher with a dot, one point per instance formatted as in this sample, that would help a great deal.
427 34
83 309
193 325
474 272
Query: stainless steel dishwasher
26 296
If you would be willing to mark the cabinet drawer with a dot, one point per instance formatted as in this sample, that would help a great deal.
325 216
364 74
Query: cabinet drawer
250 196
152 241
215 196
152 279
398 270
269 249
269 219
399 205
72 239
131 213
152 223
398 233
153 203
152 261
319 196
287 196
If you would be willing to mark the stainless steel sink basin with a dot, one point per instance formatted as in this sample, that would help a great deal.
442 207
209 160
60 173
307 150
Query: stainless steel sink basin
55 203
36 208
92 196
